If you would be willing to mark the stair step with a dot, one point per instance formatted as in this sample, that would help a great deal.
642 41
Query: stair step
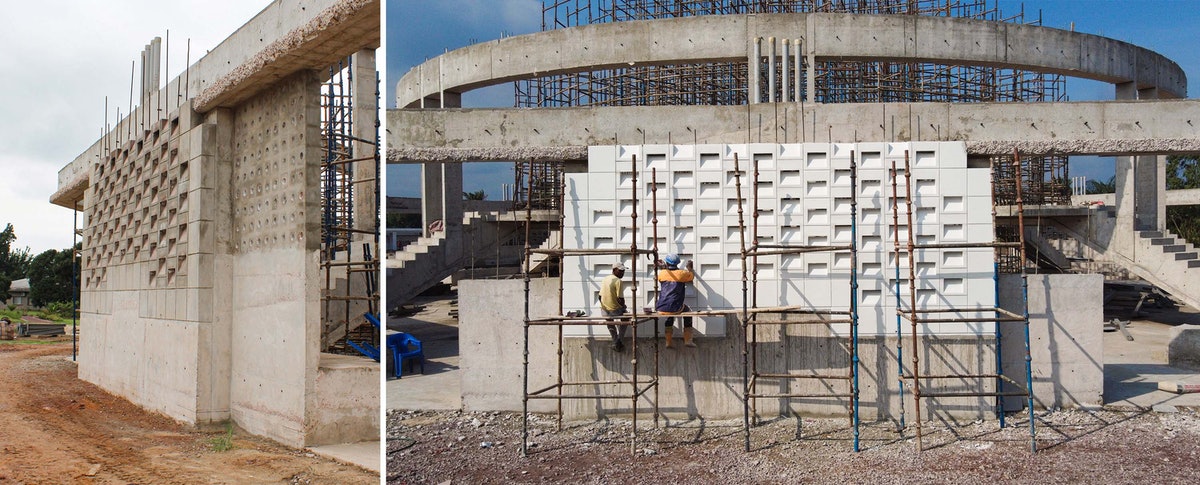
1195 263
1160 241
1184 256
1175 248
1150 233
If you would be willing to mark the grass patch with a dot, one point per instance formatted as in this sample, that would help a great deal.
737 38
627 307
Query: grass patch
224 441
29 342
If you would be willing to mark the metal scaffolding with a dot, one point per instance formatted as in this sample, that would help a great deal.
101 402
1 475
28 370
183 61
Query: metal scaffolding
828 317
350 284
637 387
918 314
727 83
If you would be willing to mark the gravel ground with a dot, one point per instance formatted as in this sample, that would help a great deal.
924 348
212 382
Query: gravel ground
1108 446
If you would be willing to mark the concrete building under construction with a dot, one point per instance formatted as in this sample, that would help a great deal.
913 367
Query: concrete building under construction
903 159
228 225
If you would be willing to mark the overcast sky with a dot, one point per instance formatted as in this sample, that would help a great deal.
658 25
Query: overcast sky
61 58
420 29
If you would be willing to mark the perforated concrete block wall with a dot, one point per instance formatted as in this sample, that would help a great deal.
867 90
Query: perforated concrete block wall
275 205
147 269
804 194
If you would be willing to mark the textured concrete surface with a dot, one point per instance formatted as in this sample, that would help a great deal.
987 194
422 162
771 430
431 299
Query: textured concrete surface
364 454
345 404
707 381
1076 128
1133 369
1183 347
823 36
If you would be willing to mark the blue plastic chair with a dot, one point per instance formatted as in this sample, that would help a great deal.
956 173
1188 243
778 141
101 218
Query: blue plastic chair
405 347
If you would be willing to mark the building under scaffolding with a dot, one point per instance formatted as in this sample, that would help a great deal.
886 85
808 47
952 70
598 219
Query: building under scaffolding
349 226
728 83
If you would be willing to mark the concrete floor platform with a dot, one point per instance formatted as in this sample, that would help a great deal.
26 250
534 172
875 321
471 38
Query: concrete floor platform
440 386
1133 369
364 454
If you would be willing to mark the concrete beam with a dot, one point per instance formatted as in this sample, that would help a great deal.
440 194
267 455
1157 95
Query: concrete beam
823 36
1077 128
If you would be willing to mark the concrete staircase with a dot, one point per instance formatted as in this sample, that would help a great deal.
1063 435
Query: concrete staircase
1158 257
1170 263
429 260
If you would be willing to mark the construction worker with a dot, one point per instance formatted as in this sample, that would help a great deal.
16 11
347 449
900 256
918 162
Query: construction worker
672 283
612 304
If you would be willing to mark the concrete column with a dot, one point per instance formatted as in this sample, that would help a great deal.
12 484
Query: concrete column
771 53
1141 181
785 86
799 67
754 66
366 115
452 181
432 188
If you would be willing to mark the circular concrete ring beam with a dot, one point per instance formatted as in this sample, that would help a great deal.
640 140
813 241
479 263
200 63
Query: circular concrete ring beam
725 38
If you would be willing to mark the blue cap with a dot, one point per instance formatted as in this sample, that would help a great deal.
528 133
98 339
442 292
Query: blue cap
672 259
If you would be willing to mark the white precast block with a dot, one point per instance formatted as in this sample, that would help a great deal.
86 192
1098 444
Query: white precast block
602 186
710 159
576 186
979 209
602 159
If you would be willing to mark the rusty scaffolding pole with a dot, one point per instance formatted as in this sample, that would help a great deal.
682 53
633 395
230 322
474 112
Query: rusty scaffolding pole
637 387
917 315
345 176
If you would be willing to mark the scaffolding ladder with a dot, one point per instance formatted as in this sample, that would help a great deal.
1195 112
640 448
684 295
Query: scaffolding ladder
750 310
917 315
637 387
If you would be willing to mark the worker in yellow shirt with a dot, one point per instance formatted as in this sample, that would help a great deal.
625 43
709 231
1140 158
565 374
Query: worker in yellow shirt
612 304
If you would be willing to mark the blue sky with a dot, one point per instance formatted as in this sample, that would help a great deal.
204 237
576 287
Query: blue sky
421 29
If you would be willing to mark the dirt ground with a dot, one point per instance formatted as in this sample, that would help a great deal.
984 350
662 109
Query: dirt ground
1074 446
55 428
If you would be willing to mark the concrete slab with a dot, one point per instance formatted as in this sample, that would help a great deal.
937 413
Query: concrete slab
440 386
364 454
1133 369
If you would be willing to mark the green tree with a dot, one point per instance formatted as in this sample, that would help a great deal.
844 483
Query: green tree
13 262
1183 172
476 195
1102 187
50 275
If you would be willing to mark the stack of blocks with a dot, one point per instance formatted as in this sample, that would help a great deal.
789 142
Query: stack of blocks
803 197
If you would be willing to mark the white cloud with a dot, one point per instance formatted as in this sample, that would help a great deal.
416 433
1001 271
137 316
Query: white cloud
62 58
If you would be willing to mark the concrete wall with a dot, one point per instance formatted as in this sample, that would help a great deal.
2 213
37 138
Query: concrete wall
706 382
147 282
1075 128
345 403
823 36
1066 313
275 235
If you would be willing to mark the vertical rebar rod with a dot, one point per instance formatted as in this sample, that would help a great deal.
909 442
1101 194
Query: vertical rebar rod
1025 305
737 177
896 287
854 416
912 297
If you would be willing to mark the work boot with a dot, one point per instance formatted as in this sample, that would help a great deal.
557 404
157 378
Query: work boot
687 337
617 345
670 333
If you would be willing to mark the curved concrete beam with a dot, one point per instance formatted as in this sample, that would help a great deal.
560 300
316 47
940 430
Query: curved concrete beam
826 36
1079 128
